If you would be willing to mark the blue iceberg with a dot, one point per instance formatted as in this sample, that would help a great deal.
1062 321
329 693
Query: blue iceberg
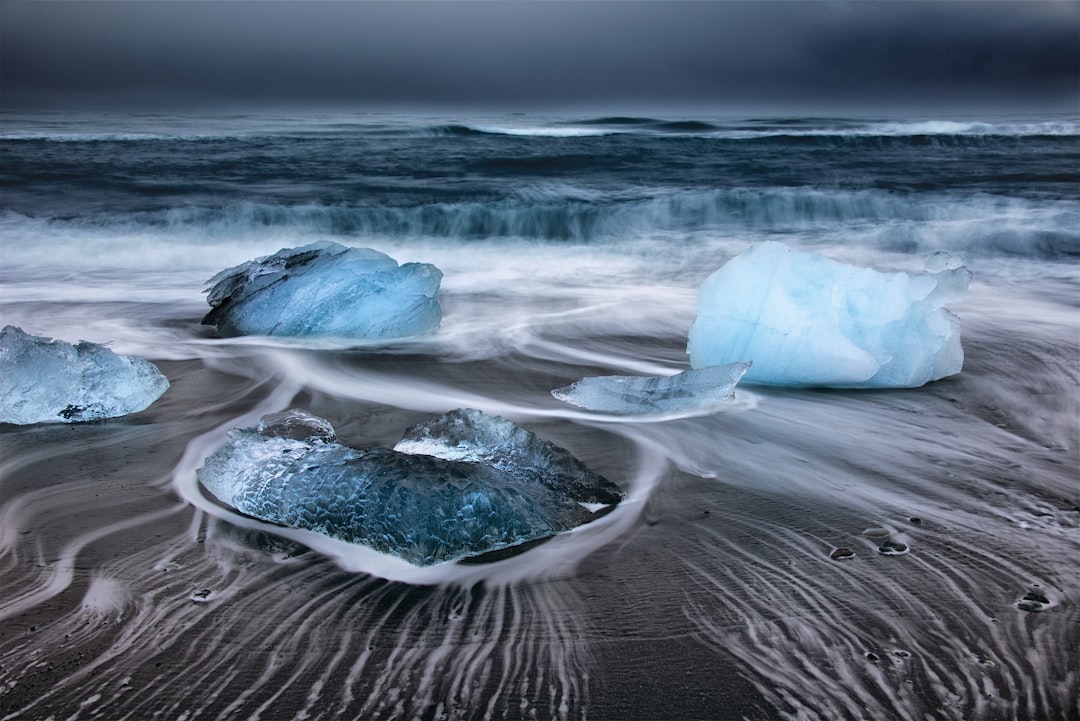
325 289
424 509
50 381
805 320
706 388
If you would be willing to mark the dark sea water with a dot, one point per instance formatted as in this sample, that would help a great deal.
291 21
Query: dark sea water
571 247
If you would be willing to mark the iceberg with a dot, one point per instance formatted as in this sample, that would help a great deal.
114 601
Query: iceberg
706 388
50 381
806 320
422 508
325 289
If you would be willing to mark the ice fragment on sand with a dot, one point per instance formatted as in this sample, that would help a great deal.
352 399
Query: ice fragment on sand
805 320
421 508
476 437
701 388
50 381
298 425
325 289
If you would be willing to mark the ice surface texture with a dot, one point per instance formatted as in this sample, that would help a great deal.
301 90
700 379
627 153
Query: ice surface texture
697 389
476 437
325 289
50 381
805 320
421 508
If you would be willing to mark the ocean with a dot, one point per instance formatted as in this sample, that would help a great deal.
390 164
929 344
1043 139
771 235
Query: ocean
570 247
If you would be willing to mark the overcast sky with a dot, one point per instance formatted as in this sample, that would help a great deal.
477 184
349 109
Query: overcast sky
521 55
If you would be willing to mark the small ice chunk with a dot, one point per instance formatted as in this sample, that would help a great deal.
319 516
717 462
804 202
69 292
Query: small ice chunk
418 507
298 425
475 437
697 389
325 289
806 320
50 381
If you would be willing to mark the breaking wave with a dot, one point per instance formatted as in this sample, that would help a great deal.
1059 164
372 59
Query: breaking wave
34 127
978 225
824 130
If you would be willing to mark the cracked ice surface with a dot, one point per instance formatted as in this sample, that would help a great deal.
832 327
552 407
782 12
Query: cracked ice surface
419 507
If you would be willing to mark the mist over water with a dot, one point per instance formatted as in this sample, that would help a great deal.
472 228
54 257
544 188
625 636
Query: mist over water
570 247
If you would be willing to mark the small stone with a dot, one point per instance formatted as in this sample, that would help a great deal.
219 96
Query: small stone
892 548
1033 601
1036 596
841 554
877 533
872 657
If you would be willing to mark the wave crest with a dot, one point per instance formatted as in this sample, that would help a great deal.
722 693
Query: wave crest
987 225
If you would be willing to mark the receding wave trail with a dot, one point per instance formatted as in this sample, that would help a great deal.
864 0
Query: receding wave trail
986 507
197 631
202 598
878 636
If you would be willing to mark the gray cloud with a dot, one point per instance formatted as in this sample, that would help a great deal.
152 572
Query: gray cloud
539 54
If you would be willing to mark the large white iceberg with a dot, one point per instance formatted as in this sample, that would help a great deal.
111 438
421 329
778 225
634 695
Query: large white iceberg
506 488
50 381
696 389
805 320
325 289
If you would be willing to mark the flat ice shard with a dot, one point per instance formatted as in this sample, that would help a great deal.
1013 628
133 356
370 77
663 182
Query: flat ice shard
50 381
805 320
696 389
325 289
421 508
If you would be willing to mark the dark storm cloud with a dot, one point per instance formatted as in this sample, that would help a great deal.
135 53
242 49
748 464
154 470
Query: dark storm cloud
508 54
